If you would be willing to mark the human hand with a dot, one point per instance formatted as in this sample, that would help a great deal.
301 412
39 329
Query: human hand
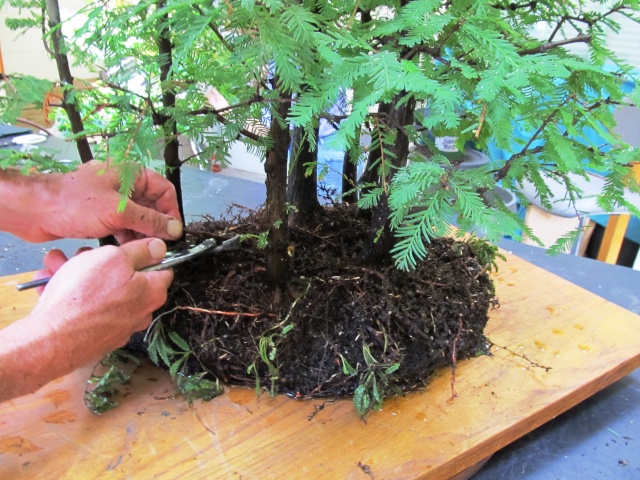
84 204
98 299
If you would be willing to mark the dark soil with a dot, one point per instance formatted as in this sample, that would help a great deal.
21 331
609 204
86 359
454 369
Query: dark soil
343 312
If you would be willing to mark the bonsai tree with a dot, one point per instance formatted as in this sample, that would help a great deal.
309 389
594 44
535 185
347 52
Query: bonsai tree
412 70
403 72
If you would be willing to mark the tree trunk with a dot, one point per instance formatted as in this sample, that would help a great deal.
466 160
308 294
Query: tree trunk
381 239
171 142
371 171
59 50
276 169
302 190
350 174
66 79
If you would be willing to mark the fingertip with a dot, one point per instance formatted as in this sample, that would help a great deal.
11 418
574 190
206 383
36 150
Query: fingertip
157 249
53 260
55 253
174 228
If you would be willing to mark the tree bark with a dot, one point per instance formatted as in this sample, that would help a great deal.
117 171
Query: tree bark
276 169
302 190
380 238
371 171
66 79
350 175
171 143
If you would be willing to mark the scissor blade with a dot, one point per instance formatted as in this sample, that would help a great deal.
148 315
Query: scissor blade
210 245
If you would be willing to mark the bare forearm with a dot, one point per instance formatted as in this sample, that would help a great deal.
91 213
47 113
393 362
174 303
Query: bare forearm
28 358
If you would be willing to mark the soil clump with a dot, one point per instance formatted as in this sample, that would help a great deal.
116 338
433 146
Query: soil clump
342 324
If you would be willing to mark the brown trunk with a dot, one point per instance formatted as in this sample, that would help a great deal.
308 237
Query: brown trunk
350 174
171 143
302 189
381 238
372 168
276 169
66 78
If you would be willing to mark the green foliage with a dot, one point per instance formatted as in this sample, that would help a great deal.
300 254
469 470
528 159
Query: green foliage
261 238
39 160
169 348
98 397
197 387
479 70
268 348
18 93
268 351
474 68
373 385
486 253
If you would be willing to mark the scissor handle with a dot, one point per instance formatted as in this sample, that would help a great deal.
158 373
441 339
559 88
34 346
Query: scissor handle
208 245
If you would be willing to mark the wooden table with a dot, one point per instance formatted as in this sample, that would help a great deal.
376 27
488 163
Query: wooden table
587 342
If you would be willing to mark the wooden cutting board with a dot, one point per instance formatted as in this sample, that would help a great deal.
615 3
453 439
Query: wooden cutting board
581 343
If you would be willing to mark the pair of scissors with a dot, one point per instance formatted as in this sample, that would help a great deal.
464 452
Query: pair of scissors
171 258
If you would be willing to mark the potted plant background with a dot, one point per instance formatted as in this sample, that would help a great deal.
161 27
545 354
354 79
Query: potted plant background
403 72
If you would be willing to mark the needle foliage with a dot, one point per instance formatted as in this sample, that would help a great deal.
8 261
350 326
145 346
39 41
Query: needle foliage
477 70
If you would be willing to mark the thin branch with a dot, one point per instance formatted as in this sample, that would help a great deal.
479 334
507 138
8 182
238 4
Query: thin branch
34 124
434 51
588 22
502 172
225 43
580 38
222 119
481 122
66 78
215 30
146 100
557 29
102 106
43 28
220 111
125 90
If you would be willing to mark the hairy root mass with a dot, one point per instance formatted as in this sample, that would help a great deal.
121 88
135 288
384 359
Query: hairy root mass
338 315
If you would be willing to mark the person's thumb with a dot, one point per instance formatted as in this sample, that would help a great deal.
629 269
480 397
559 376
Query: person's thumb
145 252
150 222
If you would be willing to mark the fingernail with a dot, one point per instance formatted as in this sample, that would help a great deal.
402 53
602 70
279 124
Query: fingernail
157 248
174 228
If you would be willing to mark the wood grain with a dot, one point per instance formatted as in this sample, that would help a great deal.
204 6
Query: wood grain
581 343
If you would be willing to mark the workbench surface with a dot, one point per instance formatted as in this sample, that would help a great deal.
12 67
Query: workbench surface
556 344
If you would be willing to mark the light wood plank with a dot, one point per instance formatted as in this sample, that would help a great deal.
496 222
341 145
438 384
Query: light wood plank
587 342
